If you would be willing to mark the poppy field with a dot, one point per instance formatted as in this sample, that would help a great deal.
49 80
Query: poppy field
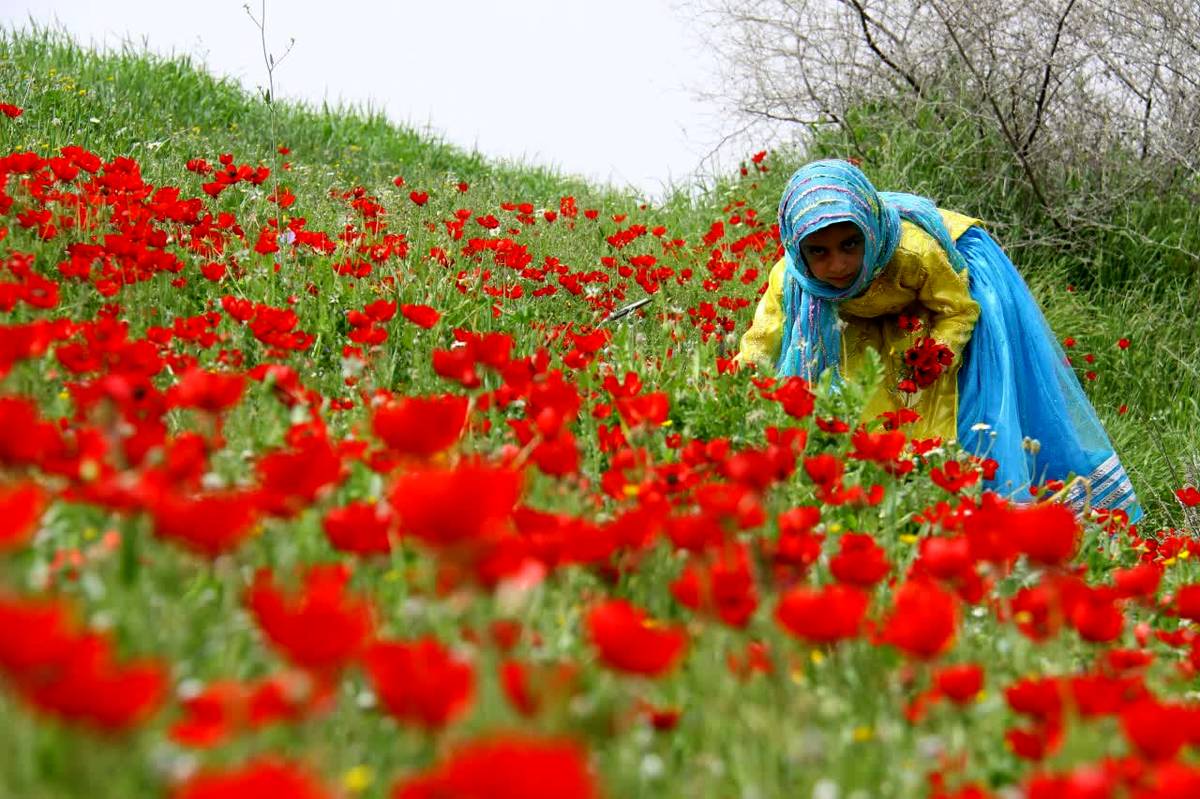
334 470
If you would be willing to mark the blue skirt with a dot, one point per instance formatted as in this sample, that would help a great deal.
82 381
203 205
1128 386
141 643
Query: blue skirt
1016 388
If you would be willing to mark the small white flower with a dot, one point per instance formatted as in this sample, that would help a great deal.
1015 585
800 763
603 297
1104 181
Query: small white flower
978 426
102 620
189 688
931 746
212 481
825 789
652 767
352 367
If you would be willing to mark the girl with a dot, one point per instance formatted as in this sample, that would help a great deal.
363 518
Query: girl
881 269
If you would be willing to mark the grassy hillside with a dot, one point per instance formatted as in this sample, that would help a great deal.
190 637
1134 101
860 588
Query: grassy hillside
164 112
206 391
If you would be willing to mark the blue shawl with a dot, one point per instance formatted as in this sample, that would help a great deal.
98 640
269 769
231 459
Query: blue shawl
820 194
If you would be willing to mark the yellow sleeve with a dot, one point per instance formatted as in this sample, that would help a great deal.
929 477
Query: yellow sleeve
760 344
947 295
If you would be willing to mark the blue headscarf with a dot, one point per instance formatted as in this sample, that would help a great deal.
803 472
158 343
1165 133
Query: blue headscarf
824 193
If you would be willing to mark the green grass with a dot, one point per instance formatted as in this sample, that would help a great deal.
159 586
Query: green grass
827 715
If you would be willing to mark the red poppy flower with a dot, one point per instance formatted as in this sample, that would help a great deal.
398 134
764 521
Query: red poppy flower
420 315
723 585
859 561
1036 742
294 477
1039 697
27 438
877 447
795 397
268 239
73 673
447 507
824 615
11 111
420 682
457 364
21 507
557 457
1035 611
514 679
1187 601
506 768
1157 730
894 420
360 527
793 552
651 408
946 558
960 684
923 619
421 426
209 717
833 425
419 197
88 686
226 708
323 628
952 477
824 469
209 524
627 641
1189 496
1094 614
1047 533
1139 581
207 391
21 342
989 530
258 778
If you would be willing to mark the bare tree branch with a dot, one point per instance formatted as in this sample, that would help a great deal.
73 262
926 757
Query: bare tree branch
1040 106
1084 108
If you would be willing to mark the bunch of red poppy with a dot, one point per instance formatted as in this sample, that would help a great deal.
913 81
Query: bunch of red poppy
367 325
73 673
228 174
513 765
924 363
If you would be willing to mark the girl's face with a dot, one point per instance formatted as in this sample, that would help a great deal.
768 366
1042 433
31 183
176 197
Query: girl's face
834 254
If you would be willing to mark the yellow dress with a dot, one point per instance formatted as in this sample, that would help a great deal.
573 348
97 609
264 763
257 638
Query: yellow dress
918 281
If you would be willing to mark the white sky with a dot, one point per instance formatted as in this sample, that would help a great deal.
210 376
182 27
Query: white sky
601 89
